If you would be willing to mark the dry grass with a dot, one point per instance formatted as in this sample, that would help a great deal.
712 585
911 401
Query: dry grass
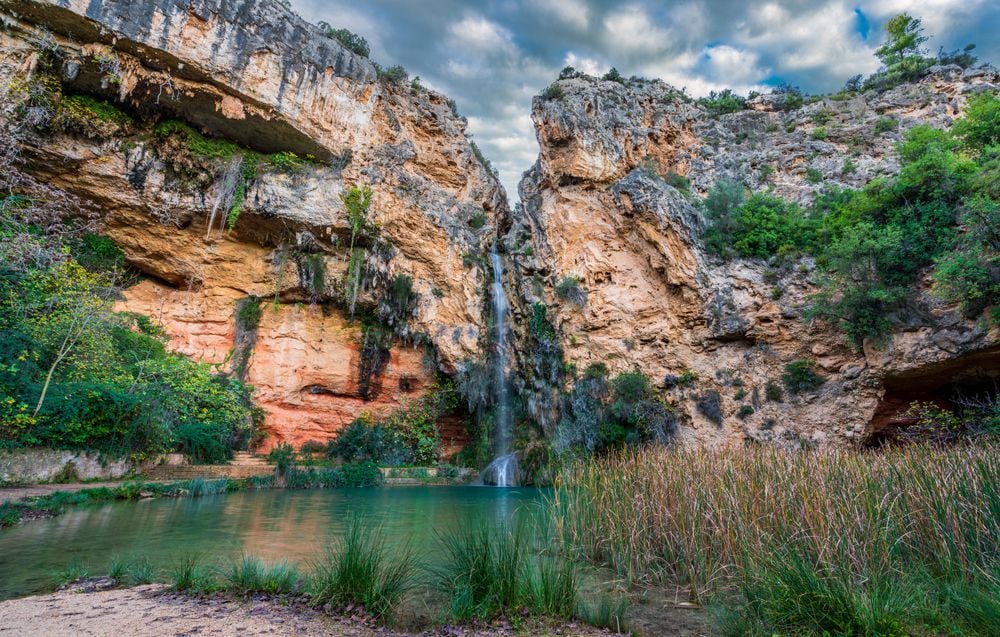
871 531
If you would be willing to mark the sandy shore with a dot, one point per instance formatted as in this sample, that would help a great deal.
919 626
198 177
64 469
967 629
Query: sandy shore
154 611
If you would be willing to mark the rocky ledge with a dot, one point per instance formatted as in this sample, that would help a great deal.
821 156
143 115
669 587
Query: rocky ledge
610 211
243 106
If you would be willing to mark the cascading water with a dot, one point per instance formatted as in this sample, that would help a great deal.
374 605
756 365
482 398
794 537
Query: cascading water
502 471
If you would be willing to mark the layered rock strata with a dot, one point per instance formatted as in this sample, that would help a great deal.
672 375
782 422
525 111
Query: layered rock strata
255 75
598 208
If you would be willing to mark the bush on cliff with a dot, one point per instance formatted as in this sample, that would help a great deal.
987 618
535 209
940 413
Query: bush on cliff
871 245
75 373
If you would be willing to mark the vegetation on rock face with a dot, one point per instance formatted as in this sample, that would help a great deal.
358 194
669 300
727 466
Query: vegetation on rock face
74 373
350 41
723 102
408 435
941 210
800 376
601 414
357 201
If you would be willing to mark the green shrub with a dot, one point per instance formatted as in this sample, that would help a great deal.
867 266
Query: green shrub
393 75
282 456
596 370
886 124
813 176
722 102
772 391
349 40
765 225
614 76
312 447
819 133
553 92
477 221
360 474
360 570
679 182
800 376
744 412
791 96
980 128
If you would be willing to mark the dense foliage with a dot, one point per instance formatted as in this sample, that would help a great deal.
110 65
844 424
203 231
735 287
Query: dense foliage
408 435
601 413
76 374
941 210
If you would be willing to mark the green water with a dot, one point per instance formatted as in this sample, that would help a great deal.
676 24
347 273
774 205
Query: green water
274 525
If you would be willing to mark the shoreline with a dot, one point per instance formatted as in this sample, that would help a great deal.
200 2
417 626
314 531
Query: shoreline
156 610
41 501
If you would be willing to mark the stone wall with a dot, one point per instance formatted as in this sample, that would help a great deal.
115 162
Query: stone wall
25 466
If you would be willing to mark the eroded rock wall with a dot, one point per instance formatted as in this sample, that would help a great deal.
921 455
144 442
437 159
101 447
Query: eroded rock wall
254 74
598 206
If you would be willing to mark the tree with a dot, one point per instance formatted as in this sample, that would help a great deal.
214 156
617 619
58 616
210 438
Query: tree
904 35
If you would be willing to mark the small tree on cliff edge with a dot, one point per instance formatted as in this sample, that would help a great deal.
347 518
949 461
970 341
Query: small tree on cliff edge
902 52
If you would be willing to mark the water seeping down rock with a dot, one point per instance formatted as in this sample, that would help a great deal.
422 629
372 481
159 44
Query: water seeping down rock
303 120
599 216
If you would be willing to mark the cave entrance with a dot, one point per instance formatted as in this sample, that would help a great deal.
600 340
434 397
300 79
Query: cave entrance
945 384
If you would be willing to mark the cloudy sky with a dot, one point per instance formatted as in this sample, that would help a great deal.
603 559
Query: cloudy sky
492 56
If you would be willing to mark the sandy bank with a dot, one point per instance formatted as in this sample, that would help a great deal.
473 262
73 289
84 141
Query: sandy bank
154 611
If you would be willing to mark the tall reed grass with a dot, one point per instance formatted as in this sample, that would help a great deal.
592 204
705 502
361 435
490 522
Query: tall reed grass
361 569
843 541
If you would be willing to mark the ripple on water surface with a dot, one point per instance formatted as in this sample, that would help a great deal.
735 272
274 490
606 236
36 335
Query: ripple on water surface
274 525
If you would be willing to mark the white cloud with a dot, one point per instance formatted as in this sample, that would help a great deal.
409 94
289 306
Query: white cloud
573 13
589 66
479 34
735 65
631 30
825 39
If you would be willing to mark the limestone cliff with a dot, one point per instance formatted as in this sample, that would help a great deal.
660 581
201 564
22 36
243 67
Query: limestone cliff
253 75
598 206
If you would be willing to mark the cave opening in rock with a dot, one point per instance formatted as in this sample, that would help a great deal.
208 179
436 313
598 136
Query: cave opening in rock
949 386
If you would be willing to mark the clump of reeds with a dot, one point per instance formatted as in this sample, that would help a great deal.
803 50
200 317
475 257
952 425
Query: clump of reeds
490 572
250 574
361 570
837 541
131 571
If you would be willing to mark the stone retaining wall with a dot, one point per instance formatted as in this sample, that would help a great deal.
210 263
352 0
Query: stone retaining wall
25 466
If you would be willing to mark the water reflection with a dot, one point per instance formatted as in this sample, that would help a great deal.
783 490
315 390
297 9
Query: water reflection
294 525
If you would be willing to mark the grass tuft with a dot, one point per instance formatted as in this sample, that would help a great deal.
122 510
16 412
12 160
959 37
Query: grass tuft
360 570
249 575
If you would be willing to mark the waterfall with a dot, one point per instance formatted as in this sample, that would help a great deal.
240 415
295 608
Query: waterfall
502 471
227 190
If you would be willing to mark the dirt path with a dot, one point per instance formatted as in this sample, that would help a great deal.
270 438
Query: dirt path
16 493
152 611
147 610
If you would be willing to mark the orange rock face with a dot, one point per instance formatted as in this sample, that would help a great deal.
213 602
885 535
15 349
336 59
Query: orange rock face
305 364
258 76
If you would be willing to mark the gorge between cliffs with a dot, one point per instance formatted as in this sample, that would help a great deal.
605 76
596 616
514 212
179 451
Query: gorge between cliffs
237 248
